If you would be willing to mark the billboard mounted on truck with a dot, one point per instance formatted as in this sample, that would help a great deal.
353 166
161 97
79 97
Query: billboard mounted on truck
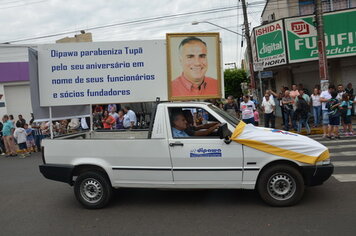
194 66
99 73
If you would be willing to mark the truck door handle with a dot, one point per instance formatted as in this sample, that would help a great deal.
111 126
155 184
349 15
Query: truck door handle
176 144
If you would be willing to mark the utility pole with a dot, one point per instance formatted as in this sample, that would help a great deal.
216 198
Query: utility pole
249 49
323 63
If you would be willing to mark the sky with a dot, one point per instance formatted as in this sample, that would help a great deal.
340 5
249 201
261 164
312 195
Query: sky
30 21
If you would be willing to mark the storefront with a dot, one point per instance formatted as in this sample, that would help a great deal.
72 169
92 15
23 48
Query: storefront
288 48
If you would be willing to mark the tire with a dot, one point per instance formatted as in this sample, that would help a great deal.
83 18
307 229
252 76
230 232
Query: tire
281 185
93 190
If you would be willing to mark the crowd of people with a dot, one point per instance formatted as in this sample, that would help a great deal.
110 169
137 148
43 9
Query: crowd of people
18 133
107 117
21 138
328 109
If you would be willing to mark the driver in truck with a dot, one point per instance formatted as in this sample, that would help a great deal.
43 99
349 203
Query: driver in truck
179 124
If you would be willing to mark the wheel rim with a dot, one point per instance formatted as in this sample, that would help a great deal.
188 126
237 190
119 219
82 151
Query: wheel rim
281 186
91 190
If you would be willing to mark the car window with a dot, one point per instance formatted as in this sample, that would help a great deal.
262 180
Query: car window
192 122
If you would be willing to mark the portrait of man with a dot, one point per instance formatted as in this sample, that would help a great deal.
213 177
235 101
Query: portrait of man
194 66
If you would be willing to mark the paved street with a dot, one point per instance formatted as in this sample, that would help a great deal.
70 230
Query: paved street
343 156
33 205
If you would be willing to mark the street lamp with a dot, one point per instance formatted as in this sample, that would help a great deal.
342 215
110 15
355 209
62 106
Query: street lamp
207 22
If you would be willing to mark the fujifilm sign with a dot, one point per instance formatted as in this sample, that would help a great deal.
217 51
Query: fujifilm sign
340 36
341 42
270 45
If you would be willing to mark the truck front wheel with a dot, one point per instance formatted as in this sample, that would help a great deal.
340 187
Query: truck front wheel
281 185
92 190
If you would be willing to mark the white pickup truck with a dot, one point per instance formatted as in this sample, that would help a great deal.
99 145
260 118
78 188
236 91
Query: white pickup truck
98 161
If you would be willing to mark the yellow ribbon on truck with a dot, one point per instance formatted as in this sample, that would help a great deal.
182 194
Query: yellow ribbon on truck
281 143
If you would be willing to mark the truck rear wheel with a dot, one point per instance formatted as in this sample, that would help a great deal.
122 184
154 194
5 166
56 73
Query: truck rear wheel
281 185
92 190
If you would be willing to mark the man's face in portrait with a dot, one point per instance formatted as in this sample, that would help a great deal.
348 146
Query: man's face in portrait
193 58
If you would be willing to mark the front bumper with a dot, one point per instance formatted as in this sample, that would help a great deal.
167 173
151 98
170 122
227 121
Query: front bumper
317 174
62 173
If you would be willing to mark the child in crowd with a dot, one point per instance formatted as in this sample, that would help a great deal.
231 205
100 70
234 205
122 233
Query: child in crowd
30 139
334 115
345 110
256 117
20 136
120 120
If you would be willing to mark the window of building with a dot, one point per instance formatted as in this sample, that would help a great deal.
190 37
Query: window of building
340 4
307 7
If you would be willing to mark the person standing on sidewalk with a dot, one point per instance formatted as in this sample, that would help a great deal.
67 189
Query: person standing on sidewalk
324 98
7 131
350 91
294 93
20 136
2 145
288 103
345 111
340 92
279 98
21 121
315 97
247 108
302 114
334 115
268 107
231 107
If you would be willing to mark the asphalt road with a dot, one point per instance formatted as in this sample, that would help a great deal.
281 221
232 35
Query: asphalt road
33 205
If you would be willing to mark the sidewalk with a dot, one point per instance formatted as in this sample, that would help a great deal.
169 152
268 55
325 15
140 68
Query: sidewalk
318 130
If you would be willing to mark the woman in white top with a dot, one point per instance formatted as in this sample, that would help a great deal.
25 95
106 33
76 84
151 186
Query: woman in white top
315 97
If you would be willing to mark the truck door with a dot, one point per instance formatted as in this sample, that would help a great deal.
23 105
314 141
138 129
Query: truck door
202 159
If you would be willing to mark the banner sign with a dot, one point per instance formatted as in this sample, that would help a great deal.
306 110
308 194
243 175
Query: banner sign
266 74
99 73
270 44
340 36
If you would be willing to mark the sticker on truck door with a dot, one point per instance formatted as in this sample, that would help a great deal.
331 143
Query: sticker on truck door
204 152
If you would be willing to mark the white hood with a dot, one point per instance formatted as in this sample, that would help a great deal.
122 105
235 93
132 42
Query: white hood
281 143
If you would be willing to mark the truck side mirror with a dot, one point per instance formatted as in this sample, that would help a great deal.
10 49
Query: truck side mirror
224 133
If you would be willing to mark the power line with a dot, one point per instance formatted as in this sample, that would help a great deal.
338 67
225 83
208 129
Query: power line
138 21
135 21
21 5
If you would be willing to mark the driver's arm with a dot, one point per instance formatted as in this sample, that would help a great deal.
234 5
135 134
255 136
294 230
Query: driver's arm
207 131
206 126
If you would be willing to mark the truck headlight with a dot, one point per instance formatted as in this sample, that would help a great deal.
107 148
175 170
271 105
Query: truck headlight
324 162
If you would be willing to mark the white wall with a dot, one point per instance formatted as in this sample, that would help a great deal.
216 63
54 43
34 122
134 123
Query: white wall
14 53
17 100
280 8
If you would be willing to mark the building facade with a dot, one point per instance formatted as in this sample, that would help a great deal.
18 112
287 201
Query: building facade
14 81
285 43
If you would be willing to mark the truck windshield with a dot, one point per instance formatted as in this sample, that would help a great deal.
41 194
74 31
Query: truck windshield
230 119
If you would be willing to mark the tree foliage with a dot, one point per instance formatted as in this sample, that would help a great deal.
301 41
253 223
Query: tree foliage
232 81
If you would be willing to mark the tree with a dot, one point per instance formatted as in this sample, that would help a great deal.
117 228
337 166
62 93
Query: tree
232 81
